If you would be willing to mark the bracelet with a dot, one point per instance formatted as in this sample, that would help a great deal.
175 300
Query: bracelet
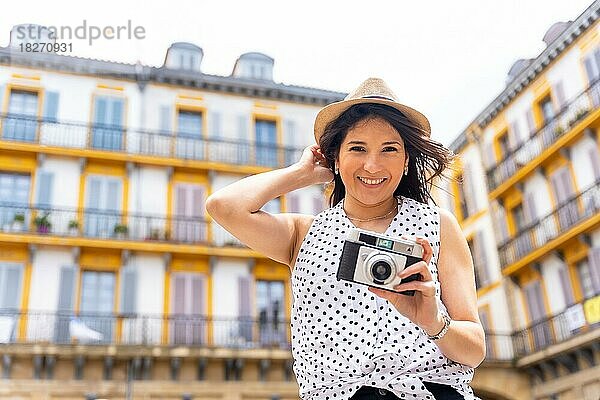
441 333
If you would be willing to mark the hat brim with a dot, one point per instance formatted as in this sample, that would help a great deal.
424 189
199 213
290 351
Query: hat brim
334 110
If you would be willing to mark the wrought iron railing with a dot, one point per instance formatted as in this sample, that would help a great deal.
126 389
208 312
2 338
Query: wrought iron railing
575 210
101 224
553 330
21 128
572 112
142 329
540 334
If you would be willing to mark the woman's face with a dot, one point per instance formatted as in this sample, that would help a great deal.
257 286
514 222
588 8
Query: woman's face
371 161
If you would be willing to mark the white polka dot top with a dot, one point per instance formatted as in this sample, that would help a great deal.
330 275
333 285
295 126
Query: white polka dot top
344 337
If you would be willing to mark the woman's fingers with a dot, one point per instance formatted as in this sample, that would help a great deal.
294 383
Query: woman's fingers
427 249
417 268
427 289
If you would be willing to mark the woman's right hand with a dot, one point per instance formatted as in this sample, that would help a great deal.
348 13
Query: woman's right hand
314 164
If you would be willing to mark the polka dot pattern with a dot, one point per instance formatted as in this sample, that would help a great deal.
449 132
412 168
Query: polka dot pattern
344 337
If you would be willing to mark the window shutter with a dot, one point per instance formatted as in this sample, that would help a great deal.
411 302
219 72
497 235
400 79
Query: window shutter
117 112
485 322
113 194
129 290
501 223
529 208
530 122
490 155
215 125
178 295
1 95
197 201
198 295
180 200
560 94
565 282
165 117
244 303
317 204
594 261
66 291
469 189
10 286
242 127
290 133
590 69
95 186
44 188
100 111
595 160
533 293
481 258
51 106
514 135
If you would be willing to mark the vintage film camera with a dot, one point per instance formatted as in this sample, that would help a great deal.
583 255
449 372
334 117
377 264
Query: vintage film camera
375 260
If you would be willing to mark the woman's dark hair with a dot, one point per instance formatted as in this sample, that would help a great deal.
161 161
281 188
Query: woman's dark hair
427 158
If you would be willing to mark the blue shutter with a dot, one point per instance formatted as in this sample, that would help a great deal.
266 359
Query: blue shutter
594 262
128 290
100 116
166 116
117 112
113 195
45 181
215 125
93 200
242 127
10 286
66 291
51 106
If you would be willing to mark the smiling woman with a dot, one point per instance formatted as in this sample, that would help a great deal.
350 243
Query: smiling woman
351 341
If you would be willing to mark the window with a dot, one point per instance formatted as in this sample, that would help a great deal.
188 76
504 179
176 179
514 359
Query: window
504 142
518 217
10 299
188 309
21 121
584 274
189 135
14 198
188 218
108 123
270 303
266 143
97 302
103 206
471 245
462 198
547 109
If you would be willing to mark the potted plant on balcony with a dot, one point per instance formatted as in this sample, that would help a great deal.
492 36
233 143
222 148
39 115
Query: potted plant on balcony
42 223
73 227
154 234
18 222
120 231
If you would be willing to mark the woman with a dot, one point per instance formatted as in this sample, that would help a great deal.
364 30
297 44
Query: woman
350 340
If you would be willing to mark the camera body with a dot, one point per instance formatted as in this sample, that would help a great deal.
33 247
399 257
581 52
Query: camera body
375 260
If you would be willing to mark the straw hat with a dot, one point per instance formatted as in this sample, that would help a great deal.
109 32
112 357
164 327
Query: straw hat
373 90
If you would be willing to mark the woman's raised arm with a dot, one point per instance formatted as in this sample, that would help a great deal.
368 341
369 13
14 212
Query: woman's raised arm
237 207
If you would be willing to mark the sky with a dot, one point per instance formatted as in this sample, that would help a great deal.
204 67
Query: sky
447 59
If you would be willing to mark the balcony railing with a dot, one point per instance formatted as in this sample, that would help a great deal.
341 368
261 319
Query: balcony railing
20 128
569 214
136 329
553 330
101 224
499 347
571 113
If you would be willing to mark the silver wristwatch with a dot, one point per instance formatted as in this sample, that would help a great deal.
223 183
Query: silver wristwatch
447 320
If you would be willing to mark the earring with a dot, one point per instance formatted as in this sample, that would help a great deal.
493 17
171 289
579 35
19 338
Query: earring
336 169
406 170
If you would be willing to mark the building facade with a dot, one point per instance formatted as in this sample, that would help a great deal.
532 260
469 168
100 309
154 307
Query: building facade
528 199
114 282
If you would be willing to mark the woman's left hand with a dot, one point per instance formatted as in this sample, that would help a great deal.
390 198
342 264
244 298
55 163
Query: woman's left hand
422 308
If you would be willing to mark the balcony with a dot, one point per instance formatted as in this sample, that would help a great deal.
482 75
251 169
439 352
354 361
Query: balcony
572 113
147 330
552 226
111 225
160 146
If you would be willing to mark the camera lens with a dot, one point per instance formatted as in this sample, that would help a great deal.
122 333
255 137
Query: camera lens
381 270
